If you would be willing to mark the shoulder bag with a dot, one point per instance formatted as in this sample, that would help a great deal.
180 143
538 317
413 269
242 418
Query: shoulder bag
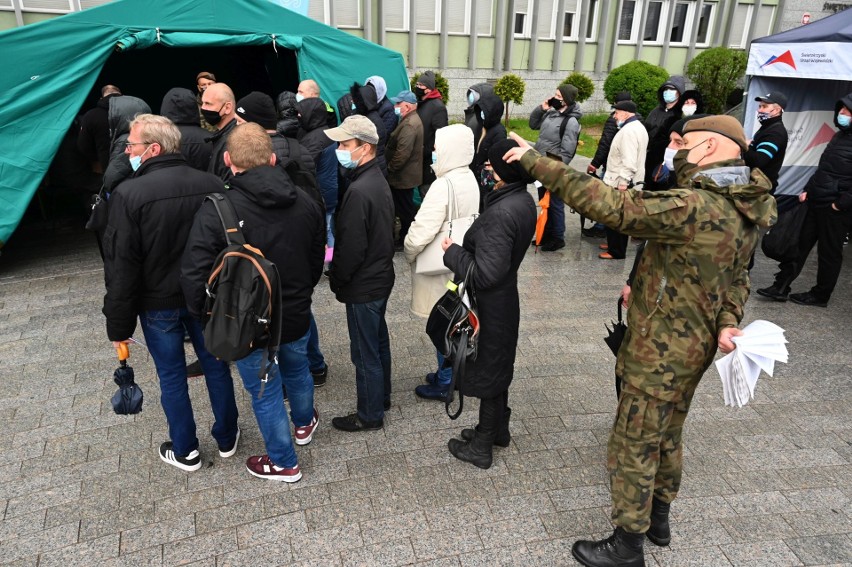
430 261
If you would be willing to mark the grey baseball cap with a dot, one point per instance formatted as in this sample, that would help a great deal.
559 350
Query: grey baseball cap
355 127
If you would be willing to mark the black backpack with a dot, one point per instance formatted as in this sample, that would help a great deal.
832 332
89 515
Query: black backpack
242 311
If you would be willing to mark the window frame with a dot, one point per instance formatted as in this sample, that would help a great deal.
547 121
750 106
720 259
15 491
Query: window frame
711 23
406 18
592 22
527 31
69 10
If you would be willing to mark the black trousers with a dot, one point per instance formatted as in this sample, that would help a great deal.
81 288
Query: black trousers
827 228
491 415
403 203
616 243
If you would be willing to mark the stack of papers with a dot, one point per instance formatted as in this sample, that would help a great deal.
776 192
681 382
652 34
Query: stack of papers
760 345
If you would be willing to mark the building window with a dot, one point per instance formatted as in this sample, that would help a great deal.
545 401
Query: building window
347 13
592 23
573 14
397 14
705 24
427 16
652 22
625 22
48 6
92 3
680 23
740 25
484 16
547 19
522 20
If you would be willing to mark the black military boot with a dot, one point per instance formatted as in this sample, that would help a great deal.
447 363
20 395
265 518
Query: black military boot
503 437
659 533
776 292
621 549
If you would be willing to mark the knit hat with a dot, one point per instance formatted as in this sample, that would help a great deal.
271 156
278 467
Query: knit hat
569 93
258 107
355 127
727 126
427 79
508 172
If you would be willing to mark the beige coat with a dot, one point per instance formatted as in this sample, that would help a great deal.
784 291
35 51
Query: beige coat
626 160
456 182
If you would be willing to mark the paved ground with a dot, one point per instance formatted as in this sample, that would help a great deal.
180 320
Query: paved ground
768 484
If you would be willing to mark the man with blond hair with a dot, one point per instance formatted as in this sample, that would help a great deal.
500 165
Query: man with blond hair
288 226
219 108
150 216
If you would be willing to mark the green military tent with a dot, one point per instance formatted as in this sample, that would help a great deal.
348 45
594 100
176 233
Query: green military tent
48 70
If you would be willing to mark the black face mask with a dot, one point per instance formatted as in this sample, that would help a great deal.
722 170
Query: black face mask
486 179
683 169
212 116
555 103
419 92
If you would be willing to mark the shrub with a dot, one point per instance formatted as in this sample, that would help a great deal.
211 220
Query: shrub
510 88
441 85
585 86
641 79
716 72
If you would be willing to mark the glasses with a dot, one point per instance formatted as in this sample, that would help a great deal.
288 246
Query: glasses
129 144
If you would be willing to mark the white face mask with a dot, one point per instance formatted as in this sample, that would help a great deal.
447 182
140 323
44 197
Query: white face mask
689 109
668 158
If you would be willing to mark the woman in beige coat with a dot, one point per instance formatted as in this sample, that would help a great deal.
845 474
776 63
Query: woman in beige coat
456 192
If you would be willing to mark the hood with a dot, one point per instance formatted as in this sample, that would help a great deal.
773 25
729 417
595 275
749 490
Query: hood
180 107
748 190
479 89
344 107
312 114
267 185
493 107
104 102
380 86
454 146
699 100
364 97
286 105
123 109
847 102
574 110
676 81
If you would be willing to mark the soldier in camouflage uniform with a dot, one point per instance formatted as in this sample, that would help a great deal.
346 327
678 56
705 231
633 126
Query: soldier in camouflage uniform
688 296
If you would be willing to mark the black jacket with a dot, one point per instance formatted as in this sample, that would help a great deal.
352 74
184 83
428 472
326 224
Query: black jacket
493 128
362 268
180 107
832 181
149 220
364 98
497 242
610 129
388 116
283 222
122 109
93 140
658 123
433 115
288 120
286 149
471 116
767 149
217 151
313 115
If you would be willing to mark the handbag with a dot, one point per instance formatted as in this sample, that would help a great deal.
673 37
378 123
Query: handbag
781 241
97 220
430 261
453 326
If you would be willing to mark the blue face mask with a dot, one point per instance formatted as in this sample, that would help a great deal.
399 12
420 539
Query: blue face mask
482 115
397 111
299 97
353 106
619 123
434 158
844 120
344 157
669 96
471 98
136 161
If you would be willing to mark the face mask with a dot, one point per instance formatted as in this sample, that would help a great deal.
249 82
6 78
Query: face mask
136 161
353 106
689 109
763 116
434 158
344 157
682 167
299 97
668 158
212 116
482 115
555 103
419 92
844 120
619 123
486 179
397 111
471 98
669 96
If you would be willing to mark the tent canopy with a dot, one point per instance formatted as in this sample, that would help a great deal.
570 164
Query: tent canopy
48 69
811 65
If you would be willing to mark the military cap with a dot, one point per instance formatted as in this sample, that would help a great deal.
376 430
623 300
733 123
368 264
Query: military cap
727 126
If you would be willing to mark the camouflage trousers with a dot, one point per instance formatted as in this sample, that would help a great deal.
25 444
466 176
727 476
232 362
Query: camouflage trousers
645 455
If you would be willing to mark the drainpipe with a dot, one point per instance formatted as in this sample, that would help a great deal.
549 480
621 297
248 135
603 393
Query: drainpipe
729 22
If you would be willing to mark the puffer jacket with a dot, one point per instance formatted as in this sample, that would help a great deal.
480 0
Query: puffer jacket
367 104
549 122
455 192
288 120
313 121
658 123
122 109
405 153
832 181
179 107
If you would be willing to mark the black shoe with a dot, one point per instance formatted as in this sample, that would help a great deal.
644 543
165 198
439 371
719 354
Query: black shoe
774 292
352 423
320 376
472 452
660 533
621 549
194 370
807 298
593 232
503 437
387 405
432 391
552 245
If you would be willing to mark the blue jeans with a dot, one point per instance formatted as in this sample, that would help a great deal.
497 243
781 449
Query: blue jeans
297 379
329 228
164 331
556 218
370 350
316 361
445 375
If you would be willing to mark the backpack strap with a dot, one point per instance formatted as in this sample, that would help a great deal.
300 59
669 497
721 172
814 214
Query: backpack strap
563 126
228 218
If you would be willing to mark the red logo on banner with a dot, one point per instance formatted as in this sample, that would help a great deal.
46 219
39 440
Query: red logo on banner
823 136
786 58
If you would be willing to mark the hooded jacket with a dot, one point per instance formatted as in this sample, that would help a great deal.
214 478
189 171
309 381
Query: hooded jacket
433 115
288 120
692 280
405 153
489 131
313 121
367 104
658 123
831 183
283 222
93 141
385 106
180 107
122 110
454 193
699 101
549 122
150 216
471 118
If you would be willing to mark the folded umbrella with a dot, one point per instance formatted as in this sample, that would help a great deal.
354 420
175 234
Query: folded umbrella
128 399
615 336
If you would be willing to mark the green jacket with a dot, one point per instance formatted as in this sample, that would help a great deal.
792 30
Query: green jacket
692 280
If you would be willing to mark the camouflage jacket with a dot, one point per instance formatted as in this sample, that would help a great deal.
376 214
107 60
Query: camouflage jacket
692 279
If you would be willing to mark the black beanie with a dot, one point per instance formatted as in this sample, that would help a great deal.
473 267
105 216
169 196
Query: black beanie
258 107
508 172
569 93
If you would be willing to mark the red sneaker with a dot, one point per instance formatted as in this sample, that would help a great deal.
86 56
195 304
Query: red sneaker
262 467
305 433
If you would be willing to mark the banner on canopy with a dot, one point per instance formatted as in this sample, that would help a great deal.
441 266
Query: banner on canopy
819 60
